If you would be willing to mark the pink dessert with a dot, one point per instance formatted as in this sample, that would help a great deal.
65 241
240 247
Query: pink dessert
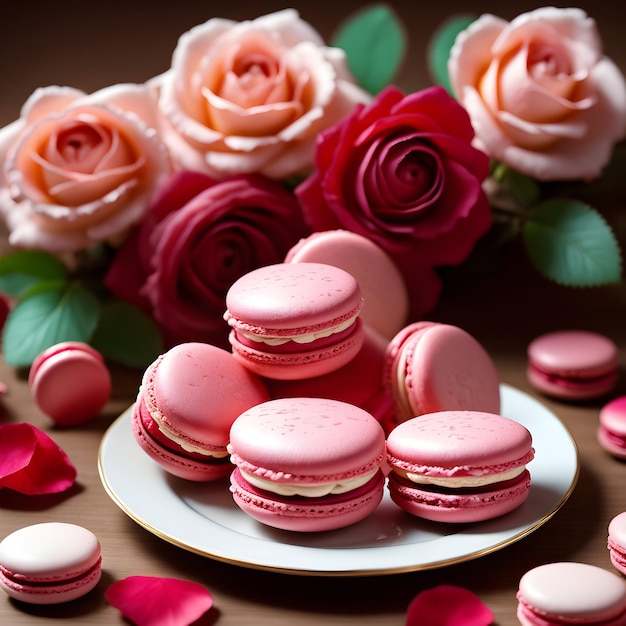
433 367
571 593
50 563
295 320
53 380
307 464
616 542
188 399
573 364
459 466
612 427
386 306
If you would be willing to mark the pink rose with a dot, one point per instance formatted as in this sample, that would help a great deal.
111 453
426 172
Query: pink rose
79 169
542 97
403 173
199 236
251 97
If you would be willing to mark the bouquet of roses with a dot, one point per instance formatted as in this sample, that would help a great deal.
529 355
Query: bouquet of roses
130 211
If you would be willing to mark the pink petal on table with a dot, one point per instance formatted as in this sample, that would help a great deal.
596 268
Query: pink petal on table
31 463
448 605
154 601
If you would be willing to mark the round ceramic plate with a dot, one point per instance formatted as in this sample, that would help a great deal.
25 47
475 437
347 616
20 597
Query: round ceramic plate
202 517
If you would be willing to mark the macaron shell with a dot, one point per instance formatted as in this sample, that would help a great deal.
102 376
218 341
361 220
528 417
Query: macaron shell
616 542
612 427
308 514
180 465
49 563
53 382
292 298
195 391
386 301
459 443
457 508
436 367
309 440
570 592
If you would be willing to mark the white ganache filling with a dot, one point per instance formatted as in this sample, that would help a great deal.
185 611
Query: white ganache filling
190 447
308 338
308 490
465 481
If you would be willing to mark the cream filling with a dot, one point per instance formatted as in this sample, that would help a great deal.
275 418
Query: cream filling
308 490
308 338
189 447
465 481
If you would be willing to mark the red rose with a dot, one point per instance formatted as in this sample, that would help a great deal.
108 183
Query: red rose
198 237
403 172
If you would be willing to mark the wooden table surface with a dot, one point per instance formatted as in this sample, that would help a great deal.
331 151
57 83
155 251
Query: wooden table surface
504 309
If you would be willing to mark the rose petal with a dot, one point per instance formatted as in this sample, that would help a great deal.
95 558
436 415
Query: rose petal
448 605
32 463
154 601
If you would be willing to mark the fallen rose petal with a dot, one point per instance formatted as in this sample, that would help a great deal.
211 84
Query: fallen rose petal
154 601
448 605
31 463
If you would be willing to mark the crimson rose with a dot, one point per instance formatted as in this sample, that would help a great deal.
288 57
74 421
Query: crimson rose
403 172
198 237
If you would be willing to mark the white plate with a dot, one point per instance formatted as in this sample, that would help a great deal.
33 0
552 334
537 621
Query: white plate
202 518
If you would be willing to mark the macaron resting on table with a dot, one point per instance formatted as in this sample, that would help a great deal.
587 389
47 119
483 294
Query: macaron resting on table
188 399
459 466
616 542
573 364
386 306
307 464
50 563
70 382
612 427
295 320
434 367
571 593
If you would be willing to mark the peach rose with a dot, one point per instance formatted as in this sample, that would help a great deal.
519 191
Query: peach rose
542 97
79 169
251 97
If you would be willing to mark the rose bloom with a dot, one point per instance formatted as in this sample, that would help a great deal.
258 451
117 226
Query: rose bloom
542 97
402 172
199 236
250 97
79 169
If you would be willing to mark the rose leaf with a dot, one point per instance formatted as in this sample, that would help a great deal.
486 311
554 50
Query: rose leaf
22 269
439 45
571 244
375 43
155 601
48 313
127 335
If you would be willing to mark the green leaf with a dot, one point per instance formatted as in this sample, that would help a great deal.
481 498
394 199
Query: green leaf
440 44
375 43
50 312
21 270
570 243
523 190
127 335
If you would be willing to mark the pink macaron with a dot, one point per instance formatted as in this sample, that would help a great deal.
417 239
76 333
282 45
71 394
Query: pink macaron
459 466
571 593
307 464
616 542
188 399
70 382
433 367
612 427
386 306
50 563
295 320
573 364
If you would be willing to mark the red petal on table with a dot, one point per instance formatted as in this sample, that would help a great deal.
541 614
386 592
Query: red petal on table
154 601
31 463
448 605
